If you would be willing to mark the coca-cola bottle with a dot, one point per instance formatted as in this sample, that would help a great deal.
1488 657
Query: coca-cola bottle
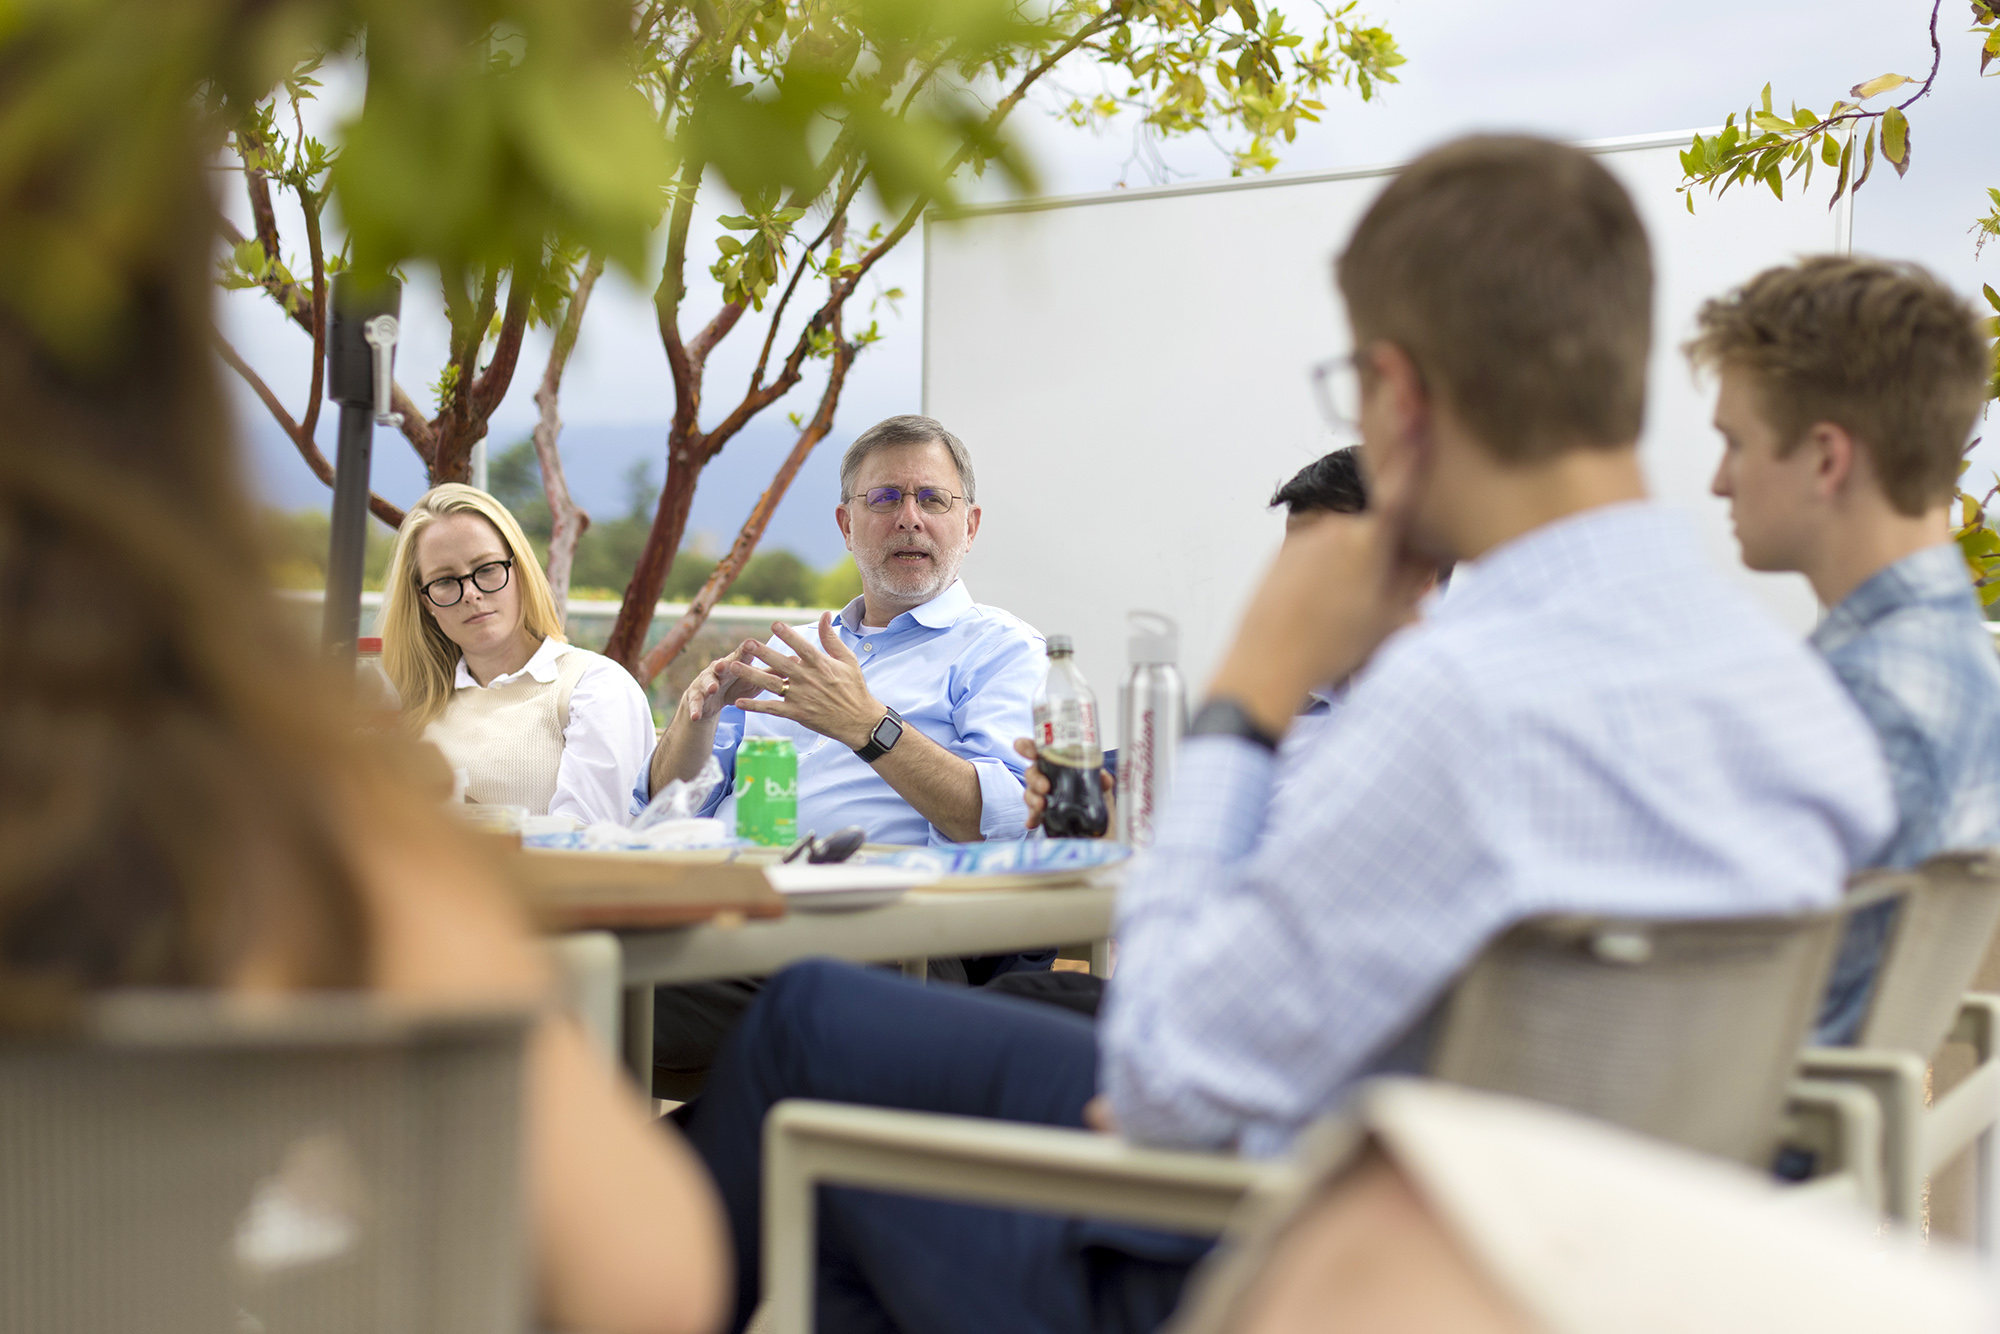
1066 734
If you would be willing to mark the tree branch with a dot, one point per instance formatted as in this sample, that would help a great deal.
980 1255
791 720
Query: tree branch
667 308
568 522
258 186
304 443
316 248
491 385
296 304
731 565
840 206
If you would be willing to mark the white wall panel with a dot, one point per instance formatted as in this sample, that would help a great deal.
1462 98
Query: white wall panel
1130 373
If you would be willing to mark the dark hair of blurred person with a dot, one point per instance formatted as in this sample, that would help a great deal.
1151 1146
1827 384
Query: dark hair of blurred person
185 799
1330 484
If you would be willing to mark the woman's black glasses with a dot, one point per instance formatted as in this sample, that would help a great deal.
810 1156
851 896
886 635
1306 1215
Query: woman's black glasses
450 590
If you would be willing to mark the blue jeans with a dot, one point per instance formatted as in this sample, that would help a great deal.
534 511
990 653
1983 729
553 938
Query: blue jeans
889 1262
1851 985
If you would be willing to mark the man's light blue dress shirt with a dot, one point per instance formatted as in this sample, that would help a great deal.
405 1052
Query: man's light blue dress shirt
1598 723
1912 648
961 673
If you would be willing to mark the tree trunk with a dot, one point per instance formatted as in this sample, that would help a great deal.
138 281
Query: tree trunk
686 457
567 521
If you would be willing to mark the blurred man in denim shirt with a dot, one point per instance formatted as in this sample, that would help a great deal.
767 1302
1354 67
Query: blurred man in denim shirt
1848 389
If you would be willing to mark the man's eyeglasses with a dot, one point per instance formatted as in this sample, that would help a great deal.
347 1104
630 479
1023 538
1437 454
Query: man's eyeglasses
884 499
450 590
1337 387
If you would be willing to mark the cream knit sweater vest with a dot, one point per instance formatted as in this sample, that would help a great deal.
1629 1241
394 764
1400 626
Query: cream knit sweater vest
509 739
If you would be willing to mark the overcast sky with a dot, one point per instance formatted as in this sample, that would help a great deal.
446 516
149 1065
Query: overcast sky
1576 69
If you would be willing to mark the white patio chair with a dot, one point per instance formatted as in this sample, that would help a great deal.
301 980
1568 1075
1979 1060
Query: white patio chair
1686 1030
1949 914
185 1164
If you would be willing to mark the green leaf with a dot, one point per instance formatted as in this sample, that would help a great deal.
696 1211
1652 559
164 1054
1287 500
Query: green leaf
1846 161
1896 139
1881 83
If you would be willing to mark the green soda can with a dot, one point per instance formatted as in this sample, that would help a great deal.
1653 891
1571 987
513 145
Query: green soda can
767 791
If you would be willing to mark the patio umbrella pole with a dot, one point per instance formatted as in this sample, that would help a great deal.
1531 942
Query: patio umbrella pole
360 365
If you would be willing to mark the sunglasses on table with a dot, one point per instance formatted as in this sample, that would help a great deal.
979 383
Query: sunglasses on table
450 590
883 499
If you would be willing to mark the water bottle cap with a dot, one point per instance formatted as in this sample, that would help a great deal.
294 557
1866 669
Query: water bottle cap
1155 637
1060 644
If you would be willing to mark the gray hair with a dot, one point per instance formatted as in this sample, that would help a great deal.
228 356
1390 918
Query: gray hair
908 429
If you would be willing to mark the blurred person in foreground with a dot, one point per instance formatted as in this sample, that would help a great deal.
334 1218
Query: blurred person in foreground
1600 724
903 707
473 645
189 800
1431 1208
1849 388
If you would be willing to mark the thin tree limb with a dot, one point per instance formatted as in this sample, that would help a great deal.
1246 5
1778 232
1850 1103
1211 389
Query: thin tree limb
316 248
731 565
297 304
667 308
304 443
568 521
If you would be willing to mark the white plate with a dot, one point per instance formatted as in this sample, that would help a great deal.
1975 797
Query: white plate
811 888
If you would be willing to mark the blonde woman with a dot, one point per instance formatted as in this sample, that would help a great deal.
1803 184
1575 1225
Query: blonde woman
471 642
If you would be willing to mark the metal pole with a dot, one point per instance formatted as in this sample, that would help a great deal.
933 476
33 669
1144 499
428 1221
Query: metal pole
349 545
360 359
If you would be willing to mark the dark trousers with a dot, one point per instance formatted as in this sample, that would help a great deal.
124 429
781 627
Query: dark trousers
887 1262
691 1019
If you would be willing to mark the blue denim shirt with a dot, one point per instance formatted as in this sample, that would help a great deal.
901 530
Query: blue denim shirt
961 673
1912 648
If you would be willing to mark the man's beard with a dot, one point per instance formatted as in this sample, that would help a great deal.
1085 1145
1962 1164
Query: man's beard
922 581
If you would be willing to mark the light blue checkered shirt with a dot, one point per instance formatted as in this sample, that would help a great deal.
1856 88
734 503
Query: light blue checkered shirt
1597 723
1912 648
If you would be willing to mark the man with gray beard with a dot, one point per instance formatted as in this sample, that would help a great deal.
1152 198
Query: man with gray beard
903 706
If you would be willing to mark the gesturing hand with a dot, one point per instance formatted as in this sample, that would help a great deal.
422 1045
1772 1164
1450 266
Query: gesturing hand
821 688
713 688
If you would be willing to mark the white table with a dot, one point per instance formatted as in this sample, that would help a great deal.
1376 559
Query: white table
611 974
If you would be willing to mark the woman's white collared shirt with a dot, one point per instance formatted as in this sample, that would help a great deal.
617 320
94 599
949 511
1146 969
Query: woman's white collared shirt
570 723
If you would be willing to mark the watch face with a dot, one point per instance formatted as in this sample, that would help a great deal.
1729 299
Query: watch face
886 732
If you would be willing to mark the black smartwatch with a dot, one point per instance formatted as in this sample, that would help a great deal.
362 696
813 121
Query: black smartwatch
883 739
1225 717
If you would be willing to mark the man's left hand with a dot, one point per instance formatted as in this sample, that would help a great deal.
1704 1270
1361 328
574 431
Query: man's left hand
821 688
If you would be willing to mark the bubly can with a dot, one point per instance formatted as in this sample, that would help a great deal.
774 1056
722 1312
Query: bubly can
767 791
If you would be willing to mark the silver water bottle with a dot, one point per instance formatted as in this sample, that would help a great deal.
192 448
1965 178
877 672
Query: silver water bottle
1152 711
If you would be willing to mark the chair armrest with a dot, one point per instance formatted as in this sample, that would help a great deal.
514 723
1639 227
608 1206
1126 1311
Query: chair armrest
974 1160
1896 1079
1841 1125
1971 1107
1978 1024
